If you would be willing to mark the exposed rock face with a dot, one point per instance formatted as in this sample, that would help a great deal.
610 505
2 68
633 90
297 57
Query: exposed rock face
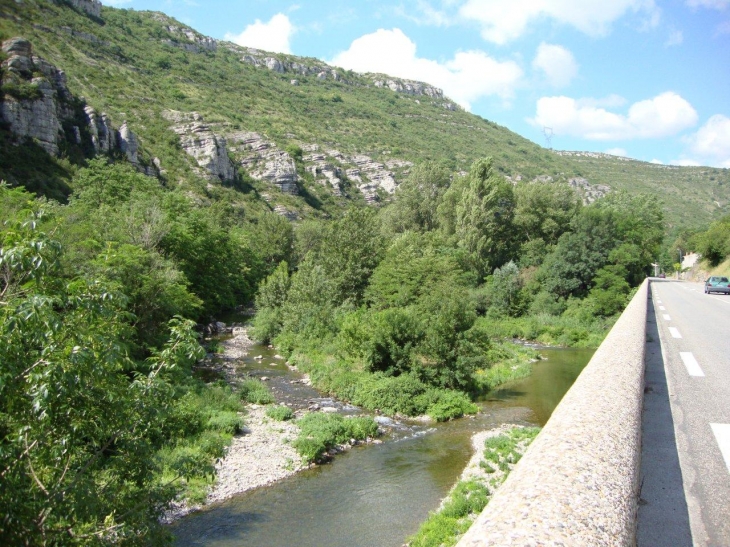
103 136
590 192
410 87
209 150
187 38
92 7
43 104
128 144
37 112
265 161
286 213
368 175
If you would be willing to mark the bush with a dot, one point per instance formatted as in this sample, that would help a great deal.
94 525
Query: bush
255 391
226 422
280 413
448 405
320 432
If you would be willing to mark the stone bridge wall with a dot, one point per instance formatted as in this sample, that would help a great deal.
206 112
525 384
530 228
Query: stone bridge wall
578 482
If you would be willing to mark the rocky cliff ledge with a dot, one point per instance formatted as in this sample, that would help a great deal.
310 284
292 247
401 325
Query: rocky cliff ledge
36 104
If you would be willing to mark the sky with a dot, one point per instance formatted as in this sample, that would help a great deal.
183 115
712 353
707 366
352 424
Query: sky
645 79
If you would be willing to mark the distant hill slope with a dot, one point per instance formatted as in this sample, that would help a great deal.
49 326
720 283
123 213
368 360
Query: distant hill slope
224 121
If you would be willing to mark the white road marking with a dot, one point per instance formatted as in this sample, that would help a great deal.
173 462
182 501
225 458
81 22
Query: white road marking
662 308
674 332
666 317
722 435
693 367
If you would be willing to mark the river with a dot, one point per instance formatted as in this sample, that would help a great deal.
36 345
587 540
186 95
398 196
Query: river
377 495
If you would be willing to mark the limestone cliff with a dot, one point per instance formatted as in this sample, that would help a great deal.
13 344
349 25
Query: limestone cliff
198 140
36 104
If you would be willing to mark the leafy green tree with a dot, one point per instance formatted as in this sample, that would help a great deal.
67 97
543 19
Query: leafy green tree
505 291
350 251
483 217
569 269
217 266
412 267
78 434
270 298
272 239
417 199
544 210
714 244
155 289
610 291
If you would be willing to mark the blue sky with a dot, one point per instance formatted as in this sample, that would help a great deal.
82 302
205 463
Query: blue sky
646 79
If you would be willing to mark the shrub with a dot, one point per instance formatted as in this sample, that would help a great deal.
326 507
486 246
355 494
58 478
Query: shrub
255 391
280 413
226 422
319 432
449 405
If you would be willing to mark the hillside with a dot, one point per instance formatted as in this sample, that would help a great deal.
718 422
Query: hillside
232 123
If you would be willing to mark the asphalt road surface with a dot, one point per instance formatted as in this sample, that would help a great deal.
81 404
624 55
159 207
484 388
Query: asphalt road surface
685 497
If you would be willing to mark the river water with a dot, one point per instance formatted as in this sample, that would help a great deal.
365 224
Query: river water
377 495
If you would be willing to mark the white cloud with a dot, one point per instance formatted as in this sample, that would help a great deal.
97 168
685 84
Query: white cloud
618 152
115 3
469 76
675 38
664 115
657 162
712 4
557 63
425 14
712 141
502 21
272 36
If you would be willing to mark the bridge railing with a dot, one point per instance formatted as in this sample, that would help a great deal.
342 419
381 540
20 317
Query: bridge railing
577 484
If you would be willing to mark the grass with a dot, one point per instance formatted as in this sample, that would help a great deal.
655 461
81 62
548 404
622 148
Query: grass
550 330
280 413
390 395
468 498
209 417
319 432
255 391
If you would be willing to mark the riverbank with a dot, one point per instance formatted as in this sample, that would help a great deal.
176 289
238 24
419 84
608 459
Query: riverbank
496 452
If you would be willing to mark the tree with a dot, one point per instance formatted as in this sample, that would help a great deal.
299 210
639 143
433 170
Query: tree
417 199
350 251
78 434
544 210
483 218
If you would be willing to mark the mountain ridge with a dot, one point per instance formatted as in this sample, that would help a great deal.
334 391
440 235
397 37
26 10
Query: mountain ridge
135 66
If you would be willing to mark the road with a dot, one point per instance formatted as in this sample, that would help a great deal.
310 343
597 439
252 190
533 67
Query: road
692 457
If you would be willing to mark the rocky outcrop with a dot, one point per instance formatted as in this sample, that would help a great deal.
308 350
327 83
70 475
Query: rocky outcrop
37 105
92 7
589 192
409 87
265 161
36 98
103 135
207 148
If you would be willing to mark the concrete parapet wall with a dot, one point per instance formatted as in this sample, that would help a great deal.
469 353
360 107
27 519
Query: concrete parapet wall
578 482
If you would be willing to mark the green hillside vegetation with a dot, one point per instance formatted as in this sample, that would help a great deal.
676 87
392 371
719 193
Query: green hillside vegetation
130 65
